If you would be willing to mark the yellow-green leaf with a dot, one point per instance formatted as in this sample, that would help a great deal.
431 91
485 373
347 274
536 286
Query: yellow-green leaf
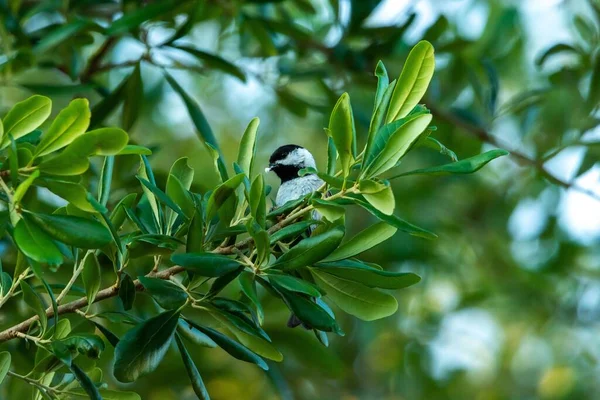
363 241
24 117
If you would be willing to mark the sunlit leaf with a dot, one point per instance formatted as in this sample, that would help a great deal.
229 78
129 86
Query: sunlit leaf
364 240
69 124
24 117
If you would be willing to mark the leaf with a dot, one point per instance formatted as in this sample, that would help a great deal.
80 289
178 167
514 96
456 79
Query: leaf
142 348
134 149
309 312
126 291
23 187
356 299
465 166
105 180
85 382
134 94
72 192
204 130
364 240
33 300
378 118
195 237
331 156
291 231
179 182
69 124
248 285
413 81
294 284
192 371
594 91
36 244
145 172
111 337
86 344
24 117
73 160
257 200
59 35
213 61
329 210
91 276
383 81
5 359
160 195
359 272
397 145
165 293
383 199
437 145
194 335
75 231
310 250
152 244
342 131
247 149
134 19
206 264
231 346
221 194
396 222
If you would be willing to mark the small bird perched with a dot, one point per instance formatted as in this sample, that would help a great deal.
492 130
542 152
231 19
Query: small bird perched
286 162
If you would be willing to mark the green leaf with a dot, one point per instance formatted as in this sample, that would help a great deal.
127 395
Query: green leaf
309 312
142 348
69 124
145 171
36 244
465 166
24 117
257 200
331 156
111 337
437 145
118 214
365 240
74 159
383 82
206 264
398 144
91 276
310 250
291 231
195 237
105 107
134 149
413 81
126 291
231 346
205 132
396 222
59 35
23 187
287 207
378 118
342 131
214 61
33 300
134 19
165 293
359 272
5 283
248 285
329 210
378 195
192 371
179 182
249 339
134 94
85 382
221 194
5 359
556 49
194 335
160 195
294 284
75 231
86 344
74 193
152 244
105 180
248 147
356 299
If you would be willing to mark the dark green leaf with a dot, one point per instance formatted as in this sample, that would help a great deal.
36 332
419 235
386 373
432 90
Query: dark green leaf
358 272
75 231
206 264
166 294
214 61
294 284
85 382
126 291
91 276
36 244
248 286
134 94
194 335
4 364
192 371
291 231
363 241
309 312
33 300
310 250
89 345
142 348
135 18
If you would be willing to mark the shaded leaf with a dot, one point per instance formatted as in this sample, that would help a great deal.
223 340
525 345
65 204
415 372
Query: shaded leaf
362 273
165 293
206 264
310 250
192 371
126 291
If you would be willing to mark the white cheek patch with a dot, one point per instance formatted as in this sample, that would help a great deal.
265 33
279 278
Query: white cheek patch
299 157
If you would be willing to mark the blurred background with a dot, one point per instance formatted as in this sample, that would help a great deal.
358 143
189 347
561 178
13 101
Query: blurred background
509 304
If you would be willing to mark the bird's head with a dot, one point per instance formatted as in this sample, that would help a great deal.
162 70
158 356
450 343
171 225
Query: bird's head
287 160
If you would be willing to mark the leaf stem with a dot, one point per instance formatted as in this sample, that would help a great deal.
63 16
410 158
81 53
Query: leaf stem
14 286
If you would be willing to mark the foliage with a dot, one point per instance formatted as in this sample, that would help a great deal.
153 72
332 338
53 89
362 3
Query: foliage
130 212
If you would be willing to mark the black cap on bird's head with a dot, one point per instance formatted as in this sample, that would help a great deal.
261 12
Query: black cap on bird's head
287 160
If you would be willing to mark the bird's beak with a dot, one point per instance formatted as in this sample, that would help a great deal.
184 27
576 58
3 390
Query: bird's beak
270 168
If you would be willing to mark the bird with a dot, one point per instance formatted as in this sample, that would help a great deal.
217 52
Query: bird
286 161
